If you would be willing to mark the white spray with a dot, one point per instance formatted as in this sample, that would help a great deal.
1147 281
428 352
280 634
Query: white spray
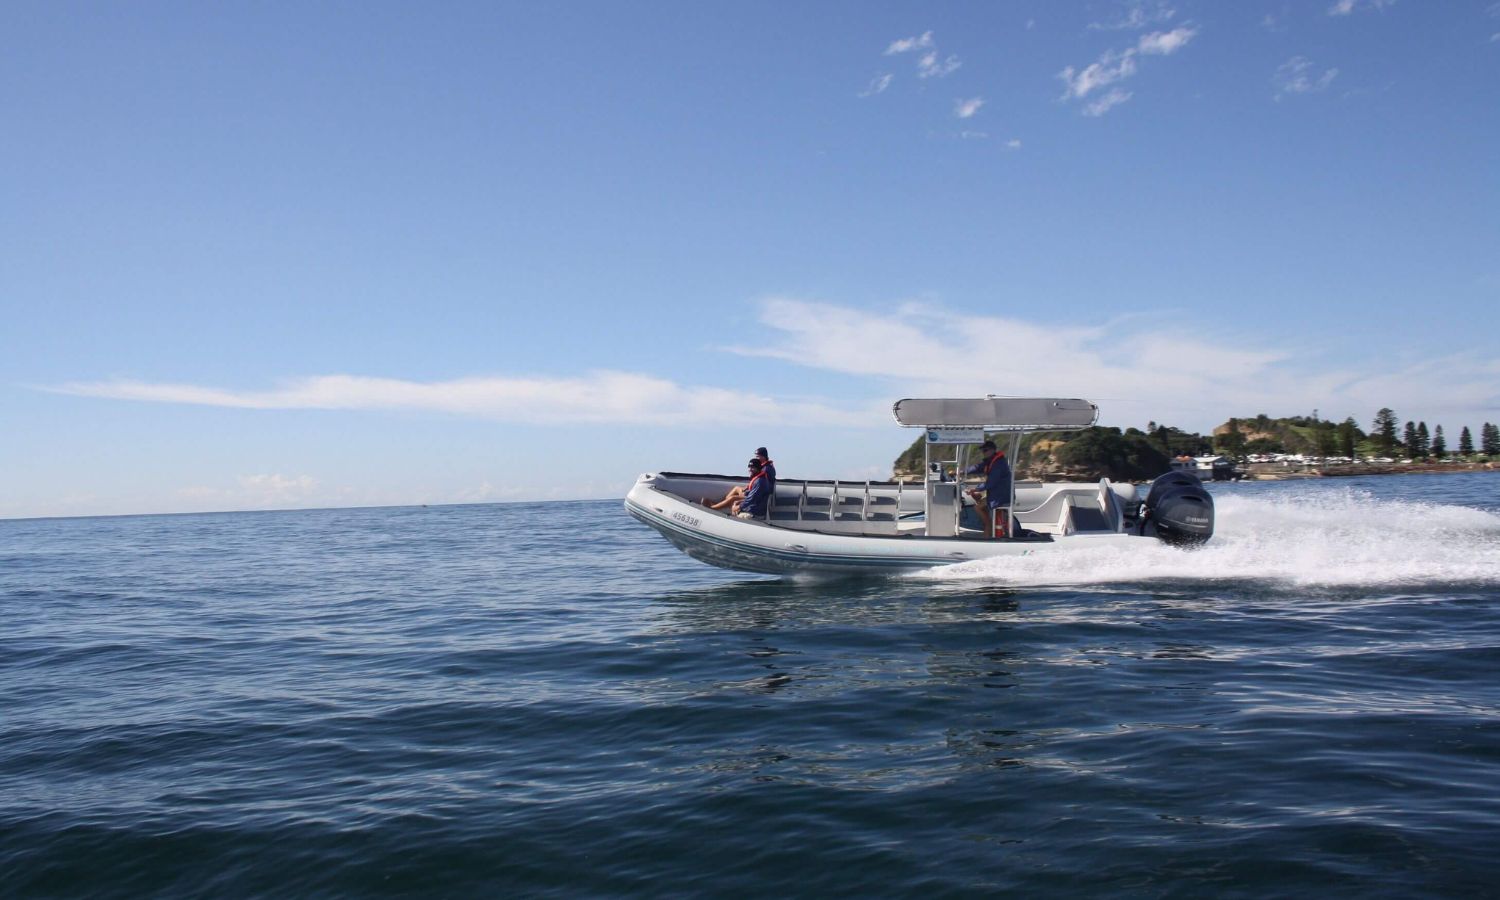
1325 539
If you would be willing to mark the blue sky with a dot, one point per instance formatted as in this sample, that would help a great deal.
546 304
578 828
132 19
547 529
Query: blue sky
285 255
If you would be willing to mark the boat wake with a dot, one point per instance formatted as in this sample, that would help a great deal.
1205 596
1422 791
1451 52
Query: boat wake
1329 539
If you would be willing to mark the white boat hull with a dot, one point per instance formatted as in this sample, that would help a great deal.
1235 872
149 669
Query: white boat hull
759 546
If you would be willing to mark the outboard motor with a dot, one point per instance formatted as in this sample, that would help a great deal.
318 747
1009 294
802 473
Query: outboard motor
1178 510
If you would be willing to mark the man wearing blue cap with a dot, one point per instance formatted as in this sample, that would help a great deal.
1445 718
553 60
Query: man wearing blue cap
992 502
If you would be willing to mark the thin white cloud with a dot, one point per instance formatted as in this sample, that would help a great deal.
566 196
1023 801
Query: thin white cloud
965 109
1346 7
1013 144
1110 68
924 348
1176 376
1135 15
1299 76
594 398
1117 65
930 63
921 42
1109 101
930 66
878 85
1165 43
262 491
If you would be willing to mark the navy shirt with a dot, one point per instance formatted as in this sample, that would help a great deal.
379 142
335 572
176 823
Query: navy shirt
756 496
768 469
996 474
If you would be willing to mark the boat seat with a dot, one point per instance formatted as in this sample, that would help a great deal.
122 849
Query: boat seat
1066 512
845 509
1086 519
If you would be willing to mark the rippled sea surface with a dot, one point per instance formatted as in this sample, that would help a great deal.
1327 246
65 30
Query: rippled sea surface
548 700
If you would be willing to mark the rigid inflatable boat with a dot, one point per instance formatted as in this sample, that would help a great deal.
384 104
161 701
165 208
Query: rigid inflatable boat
856 527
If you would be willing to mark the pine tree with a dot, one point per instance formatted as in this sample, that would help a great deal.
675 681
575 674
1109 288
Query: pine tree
1489 439
1323 434
1424 441
1409 439
1383 429
1465 442
1348 433
1439 445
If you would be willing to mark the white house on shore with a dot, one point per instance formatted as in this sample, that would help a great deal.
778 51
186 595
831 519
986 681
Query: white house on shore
1205 468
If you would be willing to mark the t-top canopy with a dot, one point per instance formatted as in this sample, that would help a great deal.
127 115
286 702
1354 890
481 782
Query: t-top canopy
998 413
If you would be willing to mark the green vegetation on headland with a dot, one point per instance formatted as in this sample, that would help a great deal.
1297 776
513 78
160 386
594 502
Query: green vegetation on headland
1136 455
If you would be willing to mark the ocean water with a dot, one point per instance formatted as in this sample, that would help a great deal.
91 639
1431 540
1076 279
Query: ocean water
547 700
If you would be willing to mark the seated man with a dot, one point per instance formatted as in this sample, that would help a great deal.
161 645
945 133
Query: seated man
768 470
992 501
757 496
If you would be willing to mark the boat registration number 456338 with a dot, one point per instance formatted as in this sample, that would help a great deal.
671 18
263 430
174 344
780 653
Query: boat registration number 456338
684 517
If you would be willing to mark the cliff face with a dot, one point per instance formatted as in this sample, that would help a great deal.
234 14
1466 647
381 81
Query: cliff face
1291 434
1249 434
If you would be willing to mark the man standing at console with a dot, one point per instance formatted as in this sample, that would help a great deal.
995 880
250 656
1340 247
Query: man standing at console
993 501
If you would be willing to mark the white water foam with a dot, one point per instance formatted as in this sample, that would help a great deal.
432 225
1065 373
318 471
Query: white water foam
1327 539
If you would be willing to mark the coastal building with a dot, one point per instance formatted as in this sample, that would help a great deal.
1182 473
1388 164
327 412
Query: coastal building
1206 468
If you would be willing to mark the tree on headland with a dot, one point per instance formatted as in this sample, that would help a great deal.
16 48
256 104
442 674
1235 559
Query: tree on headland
1107 451
1163 437
1264 445
1439 445
1348 435
1409 439
1465 442
1325 435
1424 442
1489 439
1384 431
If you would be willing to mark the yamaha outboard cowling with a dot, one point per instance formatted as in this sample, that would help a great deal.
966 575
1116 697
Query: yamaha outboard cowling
1178 510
